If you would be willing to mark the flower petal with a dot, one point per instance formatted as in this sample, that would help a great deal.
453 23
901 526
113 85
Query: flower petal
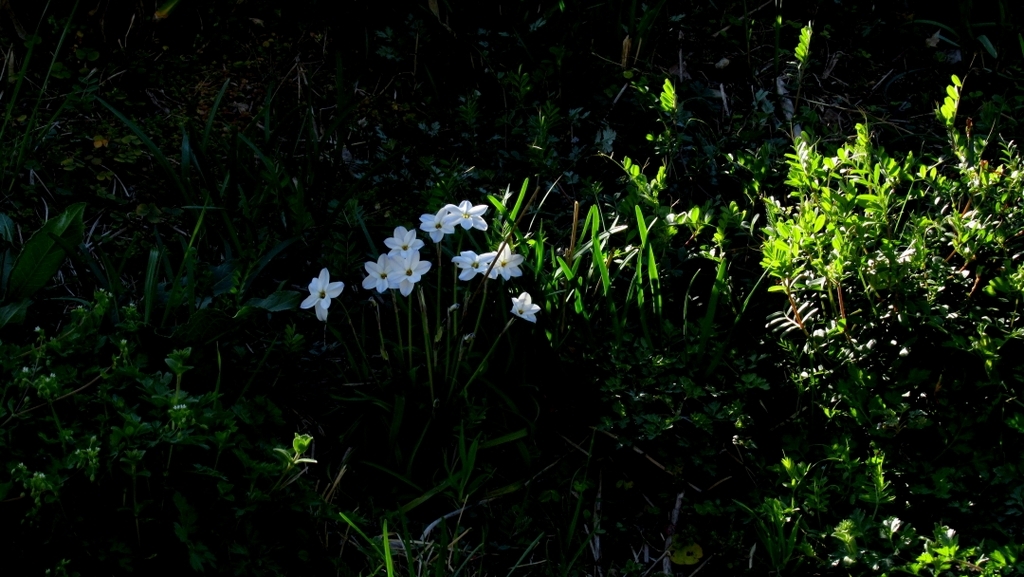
321 313
309 302
325 277
334 289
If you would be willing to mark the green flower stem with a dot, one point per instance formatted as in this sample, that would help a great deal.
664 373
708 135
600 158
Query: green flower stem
453 330
483 361
167 469
479 315
380 333
408 328
437 305
427 345
177 388
60 429
398 324
355 336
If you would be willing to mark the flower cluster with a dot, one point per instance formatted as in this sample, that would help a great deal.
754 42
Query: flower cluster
444 221
505 263
401 268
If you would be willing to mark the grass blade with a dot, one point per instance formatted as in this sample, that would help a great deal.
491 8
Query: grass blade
596 251
709 315
150 285
525 553
519 201
213 114
157 153
386 547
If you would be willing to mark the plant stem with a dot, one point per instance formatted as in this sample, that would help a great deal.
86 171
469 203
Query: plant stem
427 344
398 324
483 361
355 337
408 327
60 429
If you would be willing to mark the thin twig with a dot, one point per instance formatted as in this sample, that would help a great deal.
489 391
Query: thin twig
78 390
667 561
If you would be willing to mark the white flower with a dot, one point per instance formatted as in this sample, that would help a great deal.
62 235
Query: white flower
403 243
435 224
472 263
408 271
524 308
381 274
467 215
507 264
321 291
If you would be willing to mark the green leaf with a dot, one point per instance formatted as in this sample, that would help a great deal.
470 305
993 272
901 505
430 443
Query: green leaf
213 115
279 301
265 259
301 443
386 546
519 200
6 228
422 498
150 286
157 153
596 252
983 39
803 48
6 264
641 225
568 272
503 439
668 97
41 256
14 312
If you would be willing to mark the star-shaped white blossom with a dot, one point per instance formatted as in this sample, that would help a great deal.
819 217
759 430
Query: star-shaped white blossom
408 271
381 274
404 243
507 264
321 291
472 263
467 215
523 307
435 225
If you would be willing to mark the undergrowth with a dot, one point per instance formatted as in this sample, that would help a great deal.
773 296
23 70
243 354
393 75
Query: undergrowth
765 296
